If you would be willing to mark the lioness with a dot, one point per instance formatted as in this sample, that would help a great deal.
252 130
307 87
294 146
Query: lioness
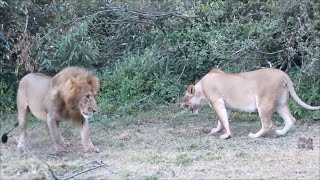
266 90
70 94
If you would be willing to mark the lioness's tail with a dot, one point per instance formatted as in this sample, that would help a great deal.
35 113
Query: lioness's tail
294 95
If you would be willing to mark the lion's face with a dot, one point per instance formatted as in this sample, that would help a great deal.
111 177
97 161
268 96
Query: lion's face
79 94
87 103
190 100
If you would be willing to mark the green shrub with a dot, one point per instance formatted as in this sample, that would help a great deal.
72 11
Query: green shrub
129 86
146 51
308 89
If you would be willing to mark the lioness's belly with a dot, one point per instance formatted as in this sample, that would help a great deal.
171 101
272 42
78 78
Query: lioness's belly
247 104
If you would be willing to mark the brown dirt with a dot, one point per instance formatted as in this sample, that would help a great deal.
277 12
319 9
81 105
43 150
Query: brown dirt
165 144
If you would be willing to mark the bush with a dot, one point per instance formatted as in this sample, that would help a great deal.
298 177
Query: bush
308 89
147 51
129 86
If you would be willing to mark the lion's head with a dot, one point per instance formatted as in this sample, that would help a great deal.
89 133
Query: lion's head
77 89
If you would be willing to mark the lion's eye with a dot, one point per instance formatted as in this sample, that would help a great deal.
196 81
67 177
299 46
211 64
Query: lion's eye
88 96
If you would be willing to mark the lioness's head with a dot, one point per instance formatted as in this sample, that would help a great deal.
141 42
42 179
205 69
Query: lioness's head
191 100
80 94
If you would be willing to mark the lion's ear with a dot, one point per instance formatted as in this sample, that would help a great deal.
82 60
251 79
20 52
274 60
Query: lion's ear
191 89
71 85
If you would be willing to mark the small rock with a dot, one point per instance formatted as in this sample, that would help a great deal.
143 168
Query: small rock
305 143
124 136
204 130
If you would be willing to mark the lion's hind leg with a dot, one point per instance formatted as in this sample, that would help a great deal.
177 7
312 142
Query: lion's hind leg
23 111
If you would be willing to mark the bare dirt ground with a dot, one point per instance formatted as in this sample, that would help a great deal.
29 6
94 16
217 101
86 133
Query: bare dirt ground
164 144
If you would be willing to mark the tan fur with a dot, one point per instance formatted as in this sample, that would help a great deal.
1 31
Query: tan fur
266 90
70 94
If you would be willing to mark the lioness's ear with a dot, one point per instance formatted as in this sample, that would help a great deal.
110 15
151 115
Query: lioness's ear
190 89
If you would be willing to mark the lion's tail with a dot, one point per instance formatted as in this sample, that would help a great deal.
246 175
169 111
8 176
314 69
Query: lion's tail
4 137
294 95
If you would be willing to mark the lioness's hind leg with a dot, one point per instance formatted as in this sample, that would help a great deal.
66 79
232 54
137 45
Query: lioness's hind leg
284 111
265 115
23 112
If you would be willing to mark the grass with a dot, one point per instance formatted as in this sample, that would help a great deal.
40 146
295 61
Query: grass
165 143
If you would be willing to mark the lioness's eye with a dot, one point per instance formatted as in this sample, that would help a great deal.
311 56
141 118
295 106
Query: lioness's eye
88 96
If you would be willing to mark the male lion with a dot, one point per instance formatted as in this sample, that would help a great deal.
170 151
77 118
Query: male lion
70 94
266 90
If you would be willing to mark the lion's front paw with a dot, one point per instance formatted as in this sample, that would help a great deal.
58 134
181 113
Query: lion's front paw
92 149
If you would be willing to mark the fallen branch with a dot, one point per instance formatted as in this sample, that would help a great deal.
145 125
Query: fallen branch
49 167
84 171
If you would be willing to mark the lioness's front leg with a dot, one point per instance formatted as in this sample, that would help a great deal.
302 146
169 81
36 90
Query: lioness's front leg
217 129
55 133
222 115
85 135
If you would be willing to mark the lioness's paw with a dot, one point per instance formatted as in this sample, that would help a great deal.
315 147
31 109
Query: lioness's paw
280 132
251 135
214 130
225 136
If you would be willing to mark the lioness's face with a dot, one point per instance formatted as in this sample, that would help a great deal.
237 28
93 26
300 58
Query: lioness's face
190 100
87 104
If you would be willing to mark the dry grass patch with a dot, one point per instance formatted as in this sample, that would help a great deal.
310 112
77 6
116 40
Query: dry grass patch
165 144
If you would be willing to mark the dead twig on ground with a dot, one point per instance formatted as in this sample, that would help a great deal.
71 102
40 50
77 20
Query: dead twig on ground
49 167
101 164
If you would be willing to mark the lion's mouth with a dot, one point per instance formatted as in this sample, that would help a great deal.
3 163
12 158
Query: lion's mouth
86 115
193 110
